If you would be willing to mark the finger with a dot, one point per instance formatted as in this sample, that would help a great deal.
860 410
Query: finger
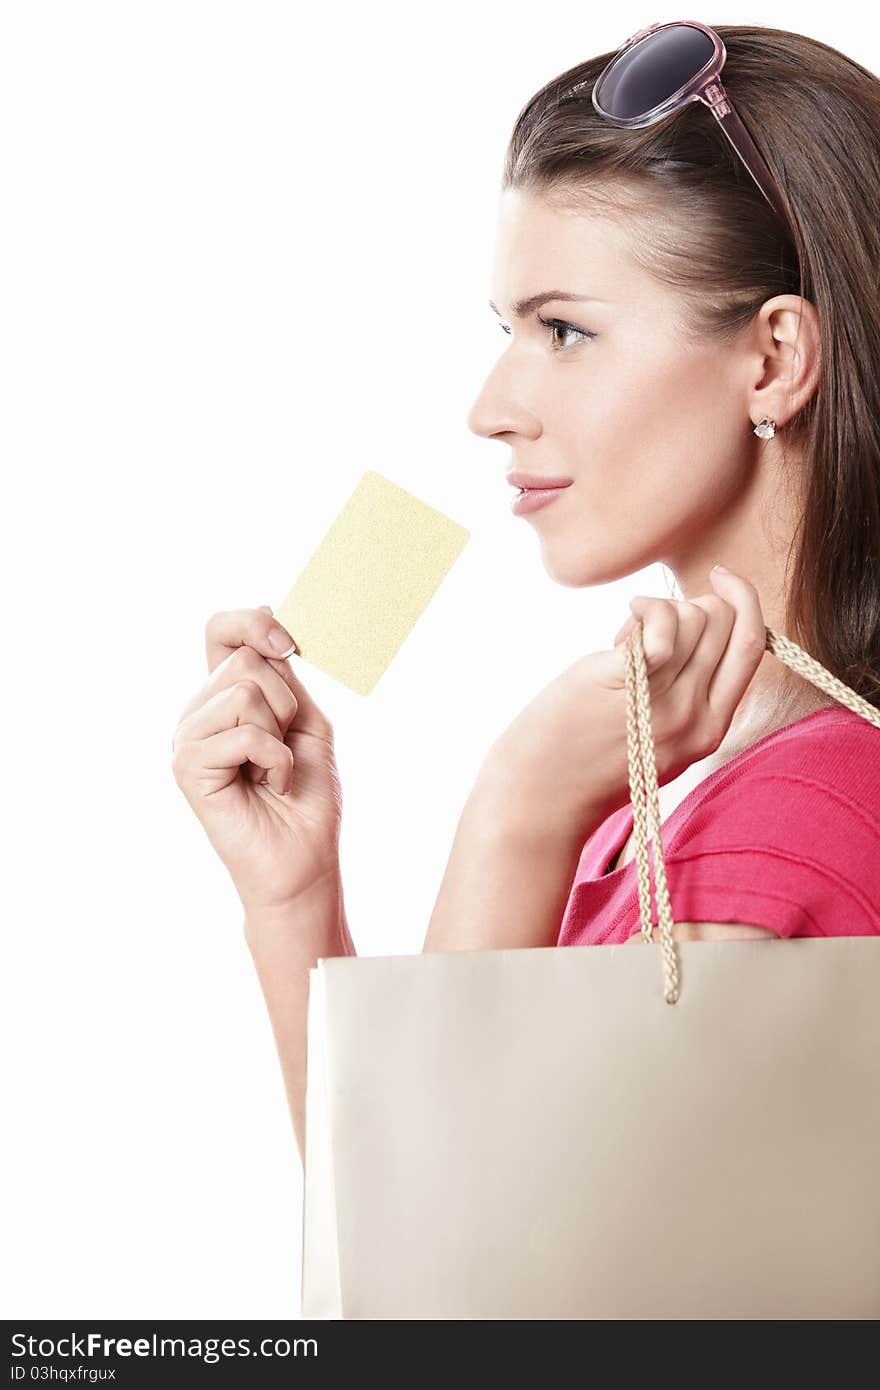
224 753
202 766
701 666
670 631
745 646
245 664
226 631
255 627
242 702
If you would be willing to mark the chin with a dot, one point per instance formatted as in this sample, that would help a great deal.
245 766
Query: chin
574 569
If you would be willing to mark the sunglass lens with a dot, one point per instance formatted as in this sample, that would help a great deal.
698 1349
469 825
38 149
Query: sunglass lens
653 70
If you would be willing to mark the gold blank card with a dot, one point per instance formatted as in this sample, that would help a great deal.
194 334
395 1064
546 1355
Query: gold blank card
371 577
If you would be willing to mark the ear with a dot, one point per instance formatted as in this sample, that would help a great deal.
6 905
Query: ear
788 344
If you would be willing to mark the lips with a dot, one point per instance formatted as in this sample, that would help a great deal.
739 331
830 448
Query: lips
529 482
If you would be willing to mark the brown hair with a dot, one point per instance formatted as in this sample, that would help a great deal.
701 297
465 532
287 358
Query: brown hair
815 116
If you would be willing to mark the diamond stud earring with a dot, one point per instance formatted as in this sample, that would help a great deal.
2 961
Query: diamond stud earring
766 429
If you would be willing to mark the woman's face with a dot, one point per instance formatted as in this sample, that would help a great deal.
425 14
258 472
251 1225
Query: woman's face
652 426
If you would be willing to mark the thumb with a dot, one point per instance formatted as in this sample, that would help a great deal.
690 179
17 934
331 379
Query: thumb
309 717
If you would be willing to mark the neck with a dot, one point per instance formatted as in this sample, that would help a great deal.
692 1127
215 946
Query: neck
755 537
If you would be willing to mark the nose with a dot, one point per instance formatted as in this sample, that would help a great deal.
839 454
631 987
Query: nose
479 418
495 415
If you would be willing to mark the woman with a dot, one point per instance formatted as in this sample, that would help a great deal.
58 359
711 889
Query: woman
698 376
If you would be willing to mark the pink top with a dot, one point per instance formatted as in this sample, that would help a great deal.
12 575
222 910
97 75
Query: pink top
785 835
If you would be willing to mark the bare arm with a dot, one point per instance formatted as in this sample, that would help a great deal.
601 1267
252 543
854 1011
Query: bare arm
507 879
285 944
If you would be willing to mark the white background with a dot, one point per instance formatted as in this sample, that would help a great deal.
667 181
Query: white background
246 254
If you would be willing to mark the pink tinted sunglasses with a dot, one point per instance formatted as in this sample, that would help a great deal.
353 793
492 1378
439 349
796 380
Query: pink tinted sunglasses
662 68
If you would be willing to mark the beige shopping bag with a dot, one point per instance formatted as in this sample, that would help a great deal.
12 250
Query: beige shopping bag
574 1132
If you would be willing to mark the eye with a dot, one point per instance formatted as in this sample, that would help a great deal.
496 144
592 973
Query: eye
560 325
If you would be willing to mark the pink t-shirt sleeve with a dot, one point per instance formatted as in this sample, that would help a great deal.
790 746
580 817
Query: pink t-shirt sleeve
785 836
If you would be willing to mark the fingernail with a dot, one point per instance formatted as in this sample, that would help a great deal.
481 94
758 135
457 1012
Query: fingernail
722 569
281 641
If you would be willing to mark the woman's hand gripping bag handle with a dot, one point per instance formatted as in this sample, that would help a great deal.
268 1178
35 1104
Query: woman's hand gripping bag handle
643 777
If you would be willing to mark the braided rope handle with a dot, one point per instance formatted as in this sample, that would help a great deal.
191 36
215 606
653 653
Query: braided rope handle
643 776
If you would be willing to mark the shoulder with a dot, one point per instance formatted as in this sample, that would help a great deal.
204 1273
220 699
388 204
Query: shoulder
788 837
817 767
831 738
783 840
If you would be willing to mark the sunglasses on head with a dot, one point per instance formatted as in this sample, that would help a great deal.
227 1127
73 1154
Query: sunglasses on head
661 69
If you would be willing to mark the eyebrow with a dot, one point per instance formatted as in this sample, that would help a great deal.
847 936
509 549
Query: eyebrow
523 307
